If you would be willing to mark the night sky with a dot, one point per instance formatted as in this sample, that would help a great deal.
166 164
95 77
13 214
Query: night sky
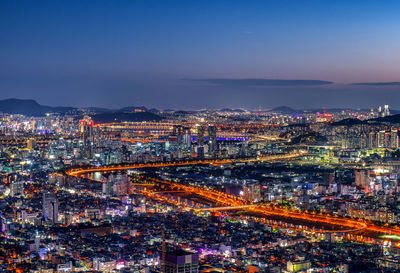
201 54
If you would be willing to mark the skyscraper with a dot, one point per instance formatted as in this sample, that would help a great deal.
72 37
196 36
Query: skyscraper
50 207
200 134
16 188
212 139
362 179
386 111
86 130
252 192
31 144
178 132
187 137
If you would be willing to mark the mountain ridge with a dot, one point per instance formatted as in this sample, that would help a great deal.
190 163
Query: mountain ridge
30 107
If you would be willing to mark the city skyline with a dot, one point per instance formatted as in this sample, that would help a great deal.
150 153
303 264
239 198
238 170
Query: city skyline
201 55
199 136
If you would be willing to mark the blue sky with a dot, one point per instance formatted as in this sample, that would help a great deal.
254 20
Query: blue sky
118 53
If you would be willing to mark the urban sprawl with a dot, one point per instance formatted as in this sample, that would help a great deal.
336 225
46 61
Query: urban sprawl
228 190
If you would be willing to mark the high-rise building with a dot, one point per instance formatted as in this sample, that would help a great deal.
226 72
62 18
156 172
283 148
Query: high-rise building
329 178
108 186
212 139
362 179
386 111
86 130
178 132
16 188
394 139
252 192
372 143
329 181
50 207
121 185
200 151
187 138
31 144
181 261
53 209
201 130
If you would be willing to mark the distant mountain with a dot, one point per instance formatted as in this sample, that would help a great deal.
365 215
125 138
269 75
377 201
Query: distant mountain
29 108
285 110
232 110
101 115
132 109
154 110
289 110
182 113
128 109
125 117
101 110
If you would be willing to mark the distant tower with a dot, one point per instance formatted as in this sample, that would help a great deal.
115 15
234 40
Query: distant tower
386 111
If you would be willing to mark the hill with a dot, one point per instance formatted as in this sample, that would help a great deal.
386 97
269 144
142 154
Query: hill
29 108
309 138
388 119
348 122
285 110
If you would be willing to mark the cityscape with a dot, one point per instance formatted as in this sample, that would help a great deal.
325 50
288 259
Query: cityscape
173 137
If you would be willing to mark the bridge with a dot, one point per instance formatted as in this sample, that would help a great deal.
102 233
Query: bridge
232 132
286 218
217 162
212 209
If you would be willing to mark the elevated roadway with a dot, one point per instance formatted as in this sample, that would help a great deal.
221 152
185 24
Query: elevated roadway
112 168
285 218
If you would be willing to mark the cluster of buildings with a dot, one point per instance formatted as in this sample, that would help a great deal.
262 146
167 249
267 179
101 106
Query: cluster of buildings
51 222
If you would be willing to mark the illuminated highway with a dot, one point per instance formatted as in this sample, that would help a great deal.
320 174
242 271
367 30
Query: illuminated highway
111 168
296 220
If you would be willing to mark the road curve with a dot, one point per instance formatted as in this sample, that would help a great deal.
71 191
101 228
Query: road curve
344 225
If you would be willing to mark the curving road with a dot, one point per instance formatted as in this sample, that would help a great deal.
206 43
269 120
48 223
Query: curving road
111 168
283 217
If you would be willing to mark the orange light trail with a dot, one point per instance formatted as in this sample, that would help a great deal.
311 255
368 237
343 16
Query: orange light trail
229 202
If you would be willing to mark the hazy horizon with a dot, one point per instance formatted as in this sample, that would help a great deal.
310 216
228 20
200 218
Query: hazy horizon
178 54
